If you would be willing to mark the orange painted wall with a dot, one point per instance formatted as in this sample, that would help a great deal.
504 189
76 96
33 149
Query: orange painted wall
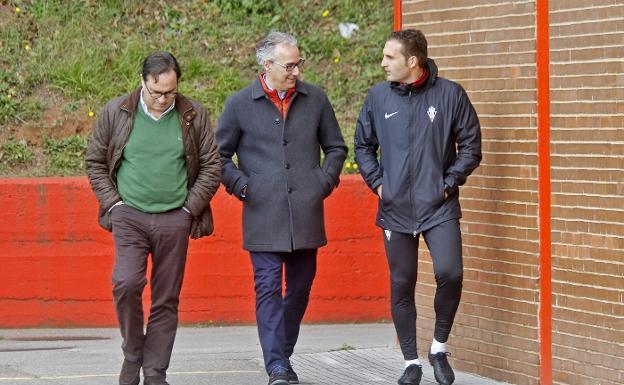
55 262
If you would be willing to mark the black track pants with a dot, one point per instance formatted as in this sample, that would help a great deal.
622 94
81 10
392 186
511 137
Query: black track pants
444 243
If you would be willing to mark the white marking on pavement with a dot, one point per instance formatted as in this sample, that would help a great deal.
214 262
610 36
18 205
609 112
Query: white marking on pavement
116 375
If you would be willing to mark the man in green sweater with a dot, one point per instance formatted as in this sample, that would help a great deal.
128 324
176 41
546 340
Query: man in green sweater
154 167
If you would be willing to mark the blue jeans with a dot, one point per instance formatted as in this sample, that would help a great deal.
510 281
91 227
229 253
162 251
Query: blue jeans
279 316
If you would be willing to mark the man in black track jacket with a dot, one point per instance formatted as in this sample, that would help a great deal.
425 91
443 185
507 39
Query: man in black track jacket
429 139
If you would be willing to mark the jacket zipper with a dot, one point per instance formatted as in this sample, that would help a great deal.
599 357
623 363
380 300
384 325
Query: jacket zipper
410 178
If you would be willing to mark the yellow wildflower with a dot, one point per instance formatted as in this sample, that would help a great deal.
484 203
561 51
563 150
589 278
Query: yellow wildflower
348 165
91 114
17 10
325 13
27 47
337 60
355 166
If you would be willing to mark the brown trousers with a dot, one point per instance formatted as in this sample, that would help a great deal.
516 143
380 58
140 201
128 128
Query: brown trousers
165 236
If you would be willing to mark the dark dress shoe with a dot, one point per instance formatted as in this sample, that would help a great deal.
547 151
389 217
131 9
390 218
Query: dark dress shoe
278 376
411 375
292 376
442 371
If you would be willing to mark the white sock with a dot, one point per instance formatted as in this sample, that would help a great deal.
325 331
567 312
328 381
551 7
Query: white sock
437 347
412 362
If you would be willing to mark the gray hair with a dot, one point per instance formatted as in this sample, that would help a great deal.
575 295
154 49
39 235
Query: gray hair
265 49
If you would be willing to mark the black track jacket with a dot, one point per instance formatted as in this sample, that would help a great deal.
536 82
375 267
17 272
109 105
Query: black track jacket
430 141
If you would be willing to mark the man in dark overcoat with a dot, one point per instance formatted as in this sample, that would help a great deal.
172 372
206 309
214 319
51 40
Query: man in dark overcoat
277 127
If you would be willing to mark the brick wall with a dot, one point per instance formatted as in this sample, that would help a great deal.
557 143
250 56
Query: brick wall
587 158
489 48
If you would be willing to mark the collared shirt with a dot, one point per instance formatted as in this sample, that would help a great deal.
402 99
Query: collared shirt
148 113
281 94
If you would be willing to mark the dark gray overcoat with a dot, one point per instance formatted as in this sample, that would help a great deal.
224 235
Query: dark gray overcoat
279 162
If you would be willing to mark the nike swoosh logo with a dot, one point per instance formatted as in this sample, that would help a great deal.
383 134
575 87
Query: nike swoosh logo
387 115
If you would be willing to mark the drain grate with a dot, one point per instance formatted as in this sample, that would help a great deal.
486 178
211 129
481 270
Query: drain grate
360 366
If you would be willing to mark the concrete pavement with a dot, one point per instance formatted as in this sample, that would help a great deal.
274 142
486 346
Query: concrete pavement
325 355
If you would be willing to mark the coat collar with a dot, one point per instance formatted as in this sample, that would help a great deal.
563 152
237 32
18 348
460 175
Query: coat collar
257 91
183 106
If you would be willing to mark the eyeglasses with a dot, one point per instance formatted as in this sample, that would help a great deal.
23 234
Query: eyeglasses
157 95
290 67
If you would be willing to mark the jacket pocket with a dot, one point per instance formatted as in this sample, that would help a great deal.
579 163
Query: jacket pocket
202 225
385 197
255 187
326 187
104 219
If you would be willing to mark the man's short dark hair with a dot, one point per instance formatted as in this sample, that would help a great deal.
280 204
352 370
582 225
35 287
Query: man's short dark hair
414 44
158 63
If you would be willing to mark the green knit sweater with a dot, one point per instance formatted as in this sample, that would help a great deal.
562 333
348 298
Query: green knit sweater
152 175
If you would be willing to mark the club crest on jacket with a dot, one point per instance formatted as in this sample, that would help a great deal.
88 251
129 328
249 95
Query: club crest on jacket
432 113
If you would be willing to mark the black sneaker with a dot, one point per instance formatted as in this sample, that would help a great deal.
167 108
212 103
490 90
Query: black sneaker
278 376
411 375
129 374
292 376
442 371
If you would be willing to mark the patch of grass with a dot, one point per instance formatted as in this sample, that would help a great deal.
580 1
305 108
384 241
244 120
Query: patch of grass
30 110
72 106
91 51
8 104
343 348
14 104
15 152
66 155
